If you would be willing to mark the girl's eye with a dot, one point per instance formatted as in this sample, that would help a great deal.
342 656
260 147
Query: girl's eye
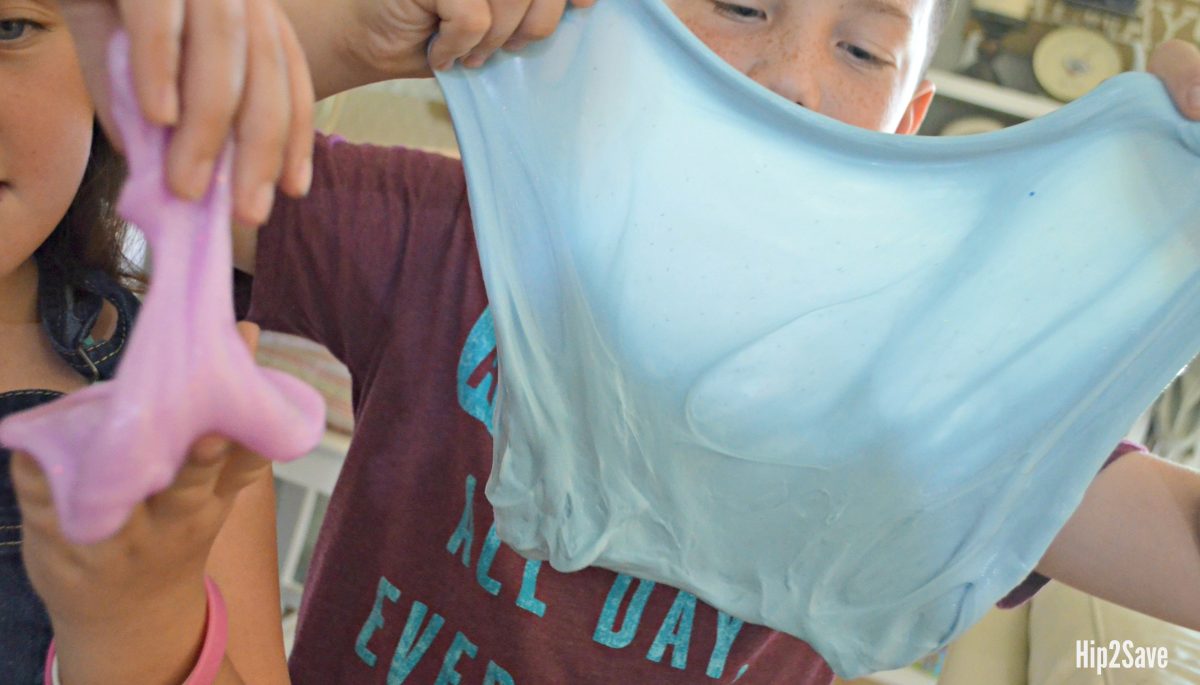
15 29
739 12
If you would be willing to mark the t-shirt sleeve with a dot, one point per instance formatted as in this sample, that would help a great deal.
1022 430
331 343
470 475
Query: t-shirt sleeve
337 266
1035 581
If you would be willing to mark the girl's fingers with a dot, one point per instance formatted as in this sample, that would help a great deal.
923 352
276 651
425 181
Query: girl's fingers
250 333
463 24
264 118
155 28
297 169
213 77
242 468
32 488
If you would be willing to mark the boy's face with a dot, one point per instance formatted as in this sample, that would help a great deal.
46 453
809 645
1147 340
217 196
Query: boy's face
858 61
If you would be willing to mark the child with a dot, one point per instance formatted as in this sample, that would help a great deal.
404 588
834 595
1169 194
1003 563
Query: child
408 583
65 314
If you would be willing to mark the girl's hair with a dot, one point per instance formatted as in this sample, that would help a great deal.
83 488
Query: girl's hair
91 236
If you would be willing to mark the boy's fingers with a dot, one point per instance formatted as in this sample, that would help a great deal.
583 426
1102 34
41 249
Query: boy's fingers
539 23
213 68
1177 63
464 23
297 170
507 15
154 28
263 118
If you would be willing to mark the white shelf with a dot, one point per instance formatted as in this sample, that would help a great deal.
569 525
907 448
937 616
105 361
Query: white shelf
991 96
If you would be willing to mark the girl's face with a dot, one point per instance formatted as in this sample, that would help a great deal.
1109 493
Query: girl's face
45 126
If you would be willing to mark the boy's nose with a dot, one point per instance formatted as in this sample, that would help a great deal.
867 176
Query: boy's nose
789 79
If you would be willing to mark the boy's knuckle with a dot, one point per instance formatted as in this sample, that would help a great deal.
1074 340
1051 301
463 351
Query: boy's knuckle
539 28
475 23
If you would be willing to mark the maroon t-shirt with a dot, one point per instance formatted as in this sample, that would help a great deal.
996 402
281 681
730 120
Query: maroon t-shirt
408 582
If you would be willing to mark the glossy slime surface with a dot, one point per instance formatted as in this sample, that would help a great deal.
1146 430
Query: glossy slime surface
186 373
845 384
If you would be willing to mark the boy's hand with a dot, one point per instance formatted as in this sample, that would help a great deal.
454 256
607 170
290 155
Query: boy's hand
210 68
394 33
144 585
1177 63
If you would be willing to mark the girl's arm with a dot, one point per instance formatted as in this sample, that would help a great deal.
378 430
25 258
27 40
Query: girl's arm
244 563
1135 540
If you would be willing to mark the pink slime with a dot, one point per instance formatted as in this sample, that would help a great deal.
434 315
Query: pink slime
186 372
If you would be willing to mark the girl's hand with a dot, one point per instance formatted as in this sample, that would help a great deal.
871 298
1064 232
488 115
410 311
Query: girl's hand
145 585
210 68
1177 63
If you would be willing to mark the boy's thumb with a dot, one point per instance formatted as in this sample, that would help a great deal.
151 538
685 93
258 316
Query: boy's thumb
1178 64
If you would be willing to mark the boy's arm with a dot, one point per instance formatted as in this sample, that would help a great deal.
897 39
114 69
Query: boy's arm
354 43
1135 540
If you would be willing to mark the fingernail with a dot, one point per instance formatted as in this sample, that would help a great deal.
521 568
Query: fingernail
515 44
264 197
474 61
1194 98
199 179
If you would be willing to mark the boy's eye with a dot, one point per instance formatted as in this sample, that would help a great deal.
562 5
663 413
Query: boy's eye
739 12
861 54
14 29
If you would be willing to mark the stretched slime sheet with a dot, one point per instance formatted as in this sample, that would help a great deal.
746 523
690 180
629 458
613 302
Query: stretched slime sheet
845 384
186 373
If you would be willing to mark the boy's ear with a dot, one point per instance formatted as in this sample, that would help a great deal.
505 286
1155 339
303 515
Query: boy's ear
914 116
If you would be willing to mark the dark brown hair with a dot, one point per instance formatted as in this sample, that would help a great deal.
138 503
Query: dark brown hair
91 236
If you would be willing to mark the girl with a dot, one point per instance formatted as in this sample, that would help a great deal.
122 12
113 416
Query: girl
409 583
66 310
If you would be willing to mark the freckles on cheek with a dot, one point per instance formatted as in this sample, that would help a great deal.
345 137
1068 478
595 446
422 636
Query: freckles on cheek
880 114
